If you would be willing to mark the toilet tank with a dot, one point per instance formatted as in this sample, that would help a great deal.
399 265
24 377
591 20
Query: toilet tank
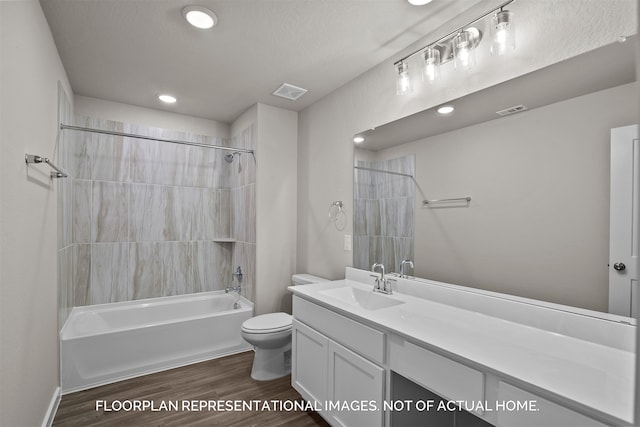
305 279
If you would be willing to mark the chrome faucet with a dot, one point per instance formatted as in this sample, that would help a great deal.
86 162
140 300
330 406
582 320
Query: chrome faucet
402 265
237 289
382 283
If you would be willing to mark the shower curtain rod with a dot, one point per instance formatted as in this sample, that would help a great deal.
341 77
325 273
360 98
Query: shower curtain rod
383 171
150 138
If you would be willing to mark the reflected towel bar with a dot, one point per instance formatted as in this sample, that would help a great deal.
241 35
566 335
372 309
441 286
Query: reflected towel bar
59 173
458 199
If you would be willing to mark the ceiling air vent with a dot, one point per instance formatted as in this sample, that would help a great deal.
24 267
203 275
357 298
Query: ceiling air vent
511 110
290 92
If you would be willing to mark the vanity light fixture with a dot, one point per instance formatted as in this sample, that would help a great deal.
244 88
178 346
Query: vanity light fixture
446 109
464 44
419 2
503 33
167 99
358 139
459 46
431 67
200 17
403 82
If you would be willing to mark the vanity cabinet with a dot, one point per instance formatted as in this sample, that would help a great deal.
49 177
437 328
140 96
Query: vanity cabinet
368 365
347 386
309 367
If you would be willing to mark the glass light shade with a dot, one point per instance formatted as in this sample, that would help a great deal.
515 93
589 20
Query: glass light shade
431 68
403 82
463 50
503 34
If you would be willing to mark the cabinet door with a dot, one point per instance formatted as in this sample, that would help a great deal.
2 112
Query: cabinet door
309 356
356 386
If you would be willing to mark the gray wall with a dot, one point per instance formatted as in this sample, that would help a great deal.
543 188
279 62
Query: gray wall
29 73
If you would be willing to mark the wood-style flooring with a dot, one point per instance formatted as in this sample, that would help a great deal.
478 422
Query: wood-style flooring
226 379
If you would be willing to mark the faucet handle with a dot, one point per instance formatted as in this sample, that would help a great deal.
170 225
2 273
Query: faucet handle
388 282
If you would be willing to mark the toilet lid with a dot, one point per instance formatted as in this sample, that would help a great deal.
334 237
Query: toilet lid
265 323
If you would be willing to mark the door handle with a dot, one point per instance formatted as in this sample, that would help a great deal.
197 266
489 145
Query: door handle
619 266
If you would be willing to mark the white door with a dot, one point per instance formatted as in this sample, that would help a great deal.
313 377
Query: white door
623 230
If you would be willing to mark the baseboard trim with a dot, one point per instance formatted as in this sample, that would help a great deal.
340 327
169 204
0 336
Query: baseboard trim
53 408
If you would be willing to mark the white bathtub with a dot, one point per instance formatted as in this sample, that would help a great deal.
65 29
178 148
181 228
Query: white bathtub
104 343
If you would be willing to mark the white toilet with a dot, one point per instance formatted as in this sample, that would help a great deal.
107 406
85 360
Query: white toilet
270 334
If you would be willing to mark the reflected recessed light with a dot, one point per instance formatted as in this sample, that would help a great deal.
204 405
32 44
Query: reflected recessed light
358 139
419 2
200 17
446 109
168 99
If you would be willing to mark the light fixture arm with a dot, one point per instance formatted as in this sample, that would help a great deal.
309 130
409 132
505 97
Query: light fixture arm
453 33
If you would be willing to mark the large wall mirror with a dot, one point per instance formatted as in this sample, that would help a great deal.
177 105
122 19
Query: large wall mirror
537 222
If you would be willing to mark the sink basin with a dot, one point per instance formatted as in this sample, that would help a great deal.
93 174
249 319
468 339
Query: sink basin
368 300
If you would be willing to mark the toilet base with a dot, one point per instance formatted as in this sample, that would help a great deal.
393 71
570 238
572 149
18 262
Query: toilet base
271 364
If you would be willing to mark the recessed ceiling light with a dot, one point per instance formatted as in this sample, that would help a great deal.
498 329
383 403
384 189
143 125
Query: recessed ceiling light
167 99
445 109
358 139
200 17
419 2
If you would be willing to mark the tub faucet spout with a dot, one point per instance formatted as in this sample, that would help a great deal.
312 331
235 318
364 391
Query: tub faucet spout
237 289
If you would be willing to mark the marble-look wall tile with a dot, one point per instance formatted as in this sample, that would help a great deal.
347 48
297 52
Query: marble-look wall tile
164 163
212 215
250 213
81 273
361 252
244 256
397 217
212 266
111 156
160 269
82 211
158 206
162 213
384 213
238 214
109 273
109 212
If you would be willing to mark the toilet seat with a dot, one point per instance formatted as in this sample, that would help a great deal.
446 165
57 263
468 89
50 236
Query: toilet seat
267 323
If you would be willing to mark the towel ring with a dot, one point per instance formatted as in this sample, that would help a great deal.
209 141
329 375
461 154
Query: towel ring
337 215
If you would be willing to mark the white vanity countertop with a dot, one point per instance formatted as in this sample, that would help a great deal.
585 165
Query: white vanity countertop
595 376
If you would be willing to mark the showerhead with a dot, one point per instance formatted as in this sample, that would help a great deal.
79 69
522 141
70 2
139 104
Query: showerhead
229 157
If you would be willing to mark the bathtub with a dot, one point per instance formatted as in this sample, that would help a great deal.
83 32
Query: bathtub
104 343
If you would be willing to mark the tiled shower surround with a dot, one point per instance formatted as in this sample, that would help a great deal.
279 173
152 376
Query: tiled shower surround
383 218
152 219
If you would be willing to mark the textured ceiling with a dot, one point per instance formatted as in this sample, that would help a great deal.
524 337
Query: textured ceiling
129 51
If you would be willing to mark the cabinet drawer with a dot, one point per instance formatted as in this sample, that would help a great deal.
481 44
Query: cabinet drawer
547 413
443 376
356 336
